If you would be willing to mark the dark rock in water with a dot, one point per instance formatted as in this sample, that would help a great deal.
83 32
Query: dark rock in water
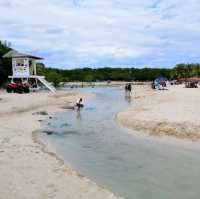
40 113
50 117
40 120
48 132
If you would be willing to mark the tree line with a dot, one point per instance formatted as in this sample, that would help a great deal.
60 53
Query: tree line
100 74
5 65
119 74
185 70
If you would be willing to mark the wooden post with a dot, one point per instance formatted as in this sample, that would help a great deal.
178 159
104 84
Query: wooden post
13 66
34 67
35 72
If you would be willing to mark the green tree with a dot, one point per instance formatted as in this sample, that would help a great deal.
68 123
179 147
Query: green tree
5 64
54 77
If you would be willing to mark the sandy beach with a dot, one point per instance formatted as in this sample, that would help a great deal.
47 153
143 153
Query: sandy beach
28 169
167 113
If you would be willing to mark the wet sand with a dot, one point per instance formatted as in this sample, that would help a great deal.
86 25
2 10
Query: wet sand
29 169
172 113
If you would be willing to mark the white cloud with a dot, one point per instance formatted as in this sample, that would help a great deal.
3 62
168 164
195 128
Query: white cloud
111 32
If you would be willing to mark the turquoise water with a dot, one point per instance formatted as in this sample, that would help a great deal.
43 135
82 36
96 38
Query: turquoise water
133 167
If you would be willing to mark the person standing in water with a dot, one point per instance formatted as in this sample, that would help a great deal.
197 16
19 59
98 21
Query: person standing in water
128 89
79 104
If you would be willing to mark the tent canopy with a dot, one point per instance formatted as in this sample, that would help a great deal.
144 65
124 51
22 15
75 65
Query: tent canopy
160 79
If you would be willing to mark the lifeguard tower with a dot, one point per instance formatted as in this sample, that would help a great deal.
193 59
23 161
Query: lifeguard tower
24 68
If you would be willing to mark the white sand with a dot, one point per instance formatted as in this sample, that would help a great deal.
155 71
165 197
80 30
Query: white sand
173 113
27 169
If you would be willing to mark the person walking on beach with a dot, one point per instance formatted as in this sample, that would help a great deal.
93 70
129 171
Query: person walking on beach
128 89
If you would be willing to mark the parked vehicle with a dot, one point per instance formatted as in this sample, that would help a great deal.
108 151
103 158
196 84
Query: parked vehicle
18 88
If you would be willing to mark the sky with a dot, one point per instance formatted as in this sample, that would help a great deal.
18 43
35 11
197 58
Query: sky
98 33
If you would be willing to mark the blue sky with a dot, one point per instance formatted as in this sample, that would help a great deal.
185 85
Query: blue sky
96 33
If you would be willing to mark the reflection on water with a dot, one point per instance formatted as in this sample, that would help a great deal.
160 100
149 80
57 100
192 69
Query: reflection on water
78 114
130 166
128 98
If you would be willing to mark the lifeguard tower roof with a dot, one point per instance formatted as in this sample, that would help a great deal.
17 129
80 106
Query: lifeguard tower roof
16 54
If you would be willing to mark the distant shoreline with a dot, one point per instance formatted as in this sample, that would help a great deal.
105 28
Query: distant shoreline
103 83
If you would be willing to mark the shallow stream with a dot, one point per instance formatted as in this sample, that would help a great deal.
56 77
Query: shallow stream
134 167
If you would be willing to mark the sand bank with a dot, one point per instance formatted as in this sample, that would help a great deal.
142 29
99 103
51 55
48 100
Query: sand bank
27 168
174 112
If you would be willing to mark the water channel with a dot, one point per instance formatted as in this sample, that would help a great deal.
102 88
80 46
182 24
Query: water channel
134 167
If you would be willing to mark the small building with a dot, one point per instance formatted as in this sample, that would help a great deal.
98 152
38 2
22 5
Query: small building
193 79
24 67
188 79
160 79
